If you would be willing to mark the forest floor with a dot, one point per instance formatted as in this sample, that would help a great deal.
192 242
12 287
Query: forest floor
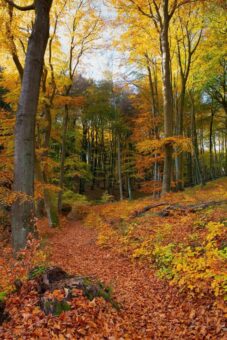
127 249
151 308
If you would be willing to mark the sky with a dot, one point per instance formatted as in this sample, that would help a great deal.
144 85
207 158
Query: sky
97 63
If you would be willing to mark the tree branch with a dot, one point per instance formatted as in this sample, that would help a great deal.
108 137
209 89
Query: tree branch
191 208
21 8
173 9
185 2
140 9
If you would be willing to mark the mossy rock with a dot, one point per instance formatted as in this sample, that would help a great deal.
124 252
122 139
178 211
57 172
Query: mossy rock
54 278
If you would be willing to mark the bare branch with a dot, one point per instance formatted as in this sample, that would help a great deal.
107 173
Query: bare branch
198 41
21 8
158 13
173 9
13 48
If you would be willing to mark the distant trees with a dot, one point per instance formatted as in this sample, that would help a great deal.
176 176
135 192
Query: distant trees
101 159
180 27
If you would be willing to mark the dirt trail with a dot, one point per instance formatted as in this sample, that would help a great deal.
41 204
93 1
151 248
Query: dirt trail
151 308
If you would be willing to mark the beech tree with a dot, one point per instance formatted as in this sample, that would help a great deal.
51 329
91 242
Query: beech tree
188 41
23 207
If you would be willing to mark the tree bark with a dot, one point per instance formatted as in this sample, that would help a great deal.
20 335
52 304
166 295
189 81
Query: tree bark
49 196
198 170
50 206
119 167
167 98
23 210
63 154
129 189
211 144
83 155
179 158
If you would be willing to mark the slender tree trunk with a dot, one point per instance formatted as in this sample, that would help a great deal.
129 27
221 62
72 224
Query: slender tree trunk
119 167
63 154
129 189
103 160
211 144
184 66
225 145
195 144
167 99
154 110
50 206
95 160
83 156
179 158
49 196
190 174
155 113
23 211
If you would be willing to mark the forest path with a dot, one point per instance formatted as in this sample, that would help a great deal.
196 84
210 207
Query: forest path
151 308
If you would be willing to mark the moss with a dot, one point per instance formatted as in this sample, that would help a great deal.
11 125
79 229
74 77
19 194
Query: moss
60 307
2 296
56 307
92 291
36 272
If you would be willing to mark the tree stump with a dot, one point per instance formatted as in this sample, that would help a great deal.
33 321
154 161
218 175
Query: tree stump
56 288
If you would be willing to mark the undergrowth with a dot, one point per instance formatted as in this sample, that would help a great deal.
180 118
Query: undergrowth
189 250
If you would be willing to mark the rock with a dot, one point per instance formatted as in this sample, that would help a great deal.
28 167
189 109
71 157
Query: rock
54 274
56 279
66 209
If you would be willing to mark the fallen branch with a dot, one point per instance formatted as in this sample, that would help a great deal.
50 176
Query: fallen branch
177 207
140 212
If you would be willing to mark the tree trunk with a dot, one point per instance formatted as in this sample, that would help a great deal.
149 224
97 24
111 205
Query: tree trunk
23 211
63 153
167 99
198 170
225 146
83 155
49 196
211 144
119 168
129 189
179 158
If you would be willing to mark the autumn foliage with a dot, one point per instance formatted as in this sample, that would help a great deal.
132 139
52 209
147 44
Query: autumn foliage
186 248
154 263
113 164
